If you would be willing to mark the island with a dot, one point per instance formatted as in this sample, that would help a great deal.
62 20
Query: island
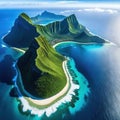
44 79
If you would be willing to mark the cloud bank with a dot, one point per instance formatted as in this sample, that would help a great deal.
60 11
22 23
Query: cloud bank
54 4
101 10
93 10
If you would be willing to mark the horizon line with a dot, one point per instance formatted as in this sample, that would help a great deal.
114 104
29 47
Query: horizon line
56 4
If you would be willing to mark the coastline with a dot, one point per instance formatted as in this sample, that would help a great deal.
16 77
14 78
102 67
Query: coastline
83 43
37 108
18 49
52 99
44 103
47 102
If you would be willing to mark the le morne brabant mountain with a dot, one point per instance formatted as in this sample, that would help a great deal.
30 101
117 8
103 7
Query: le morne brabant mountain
41 66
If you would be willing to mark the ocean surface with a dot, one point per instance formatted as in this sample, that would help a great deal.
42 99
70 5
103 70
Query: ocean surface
99 64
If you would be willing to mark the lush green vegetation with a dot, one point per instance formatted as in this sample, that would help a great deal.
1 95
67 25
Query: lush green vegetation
24 31
41 66
49 62
41 69
26 17
67 29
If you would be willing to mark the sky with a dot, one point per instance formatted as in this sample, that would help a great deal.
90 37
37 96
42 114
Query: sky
58 3
64 0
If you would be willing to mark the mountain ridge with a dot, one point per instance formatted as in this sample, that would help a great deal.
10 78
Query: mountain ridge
41 69
46 16
24 31
51 15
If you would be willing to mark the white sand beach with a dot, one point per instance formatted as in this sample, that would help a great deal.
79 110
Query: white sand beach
58 95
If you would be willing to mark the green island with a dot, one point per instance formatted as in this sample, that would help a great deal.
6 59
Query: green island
41 67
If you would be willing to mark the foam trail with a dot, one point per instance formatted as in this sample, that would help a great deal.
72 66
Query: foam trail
51 109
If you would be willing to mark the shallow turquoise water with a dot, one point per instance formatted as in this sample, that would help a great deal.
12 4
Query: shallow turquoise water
83 91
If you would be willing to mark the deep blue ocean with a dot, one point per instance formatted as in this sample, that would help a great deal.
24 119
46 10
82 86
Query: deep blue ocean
98 63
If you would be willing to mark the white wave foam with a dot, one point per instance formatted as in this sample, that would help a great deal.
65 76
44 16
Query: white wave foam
3 45
52 108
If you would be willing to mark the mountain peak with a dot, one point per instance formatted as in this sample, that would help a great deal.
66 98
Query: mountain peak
73 18
46 17
73 23
72 15
26 17
51 15
45 13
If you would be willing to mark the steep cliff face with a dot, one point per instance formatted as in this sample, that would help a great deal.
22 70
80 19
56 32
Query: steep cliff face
28 70
47 14
22 33
41 69
68 25
73 25
66 29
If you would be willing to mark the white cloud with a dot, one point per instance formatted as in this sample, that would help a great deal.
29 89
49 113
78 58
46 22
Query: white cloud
79 10
101 10
112 11
68 11
113 30
54 4
92 10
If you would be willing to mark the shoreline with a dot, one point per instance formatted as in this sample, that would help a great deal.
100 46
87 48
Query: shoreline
36 109
49 106
83 43
18 49
62 93
52 99
48 101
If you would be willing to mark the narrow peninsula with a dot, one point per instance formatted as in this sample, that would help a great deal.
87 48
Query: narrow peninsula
41 69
